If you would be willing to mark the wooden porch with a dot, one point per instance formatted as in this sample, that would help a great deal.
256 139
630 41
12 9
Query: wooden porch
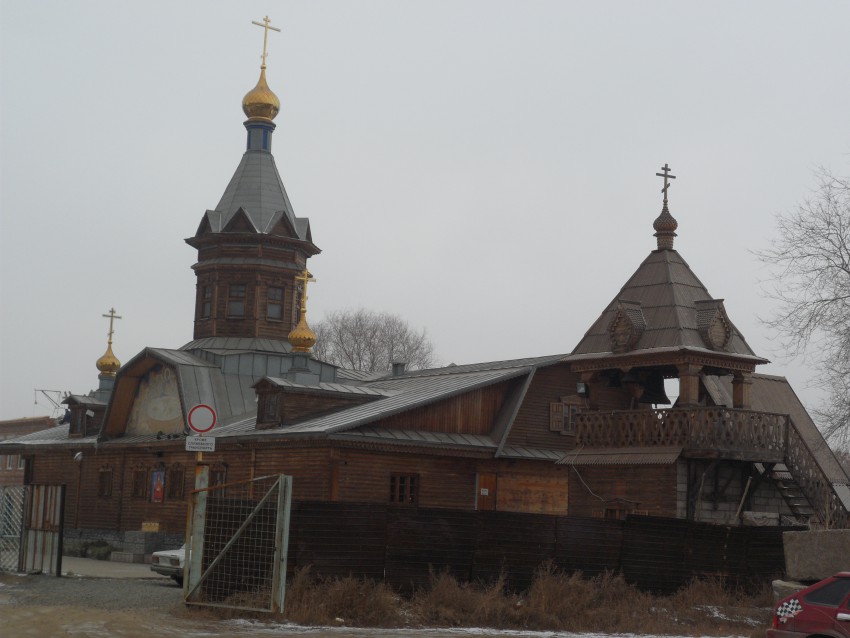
713 432
720 433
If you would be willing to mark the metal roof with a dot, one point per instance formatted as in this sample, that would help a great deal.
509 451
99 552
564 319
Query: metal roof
533 454
247 344
439 439
412 393
476 367
668 292
257 190
331 387
622 456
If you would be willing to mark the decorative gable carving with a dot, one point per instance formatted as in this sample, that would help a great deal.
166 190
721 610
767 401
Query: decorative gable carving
626 327
713 323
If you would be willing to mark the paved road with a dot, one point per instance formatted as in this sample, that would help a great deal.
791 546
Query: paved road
72 566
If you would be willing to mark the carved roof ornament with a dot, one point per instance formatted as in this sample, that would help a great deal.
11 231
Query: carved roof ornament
713 323
665 225
626 327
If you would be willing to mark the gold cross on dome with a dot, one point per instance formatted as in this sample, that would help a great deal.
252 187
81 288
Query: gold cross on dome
266 26
112 317
666 175
303 278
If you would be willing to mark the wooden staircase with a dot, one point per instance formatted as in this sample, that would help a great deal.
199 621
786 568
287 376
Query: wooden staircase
792 493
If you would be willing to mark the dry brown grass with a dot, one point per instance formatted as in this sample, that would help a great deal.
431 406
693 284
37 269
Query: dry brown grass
555 601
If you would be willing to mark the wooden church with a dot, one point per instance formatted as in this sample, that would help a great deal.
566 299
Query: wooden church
590 433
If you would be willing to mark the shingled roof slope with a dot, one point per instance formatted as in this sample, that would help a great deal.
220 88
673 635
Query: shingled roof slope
668 292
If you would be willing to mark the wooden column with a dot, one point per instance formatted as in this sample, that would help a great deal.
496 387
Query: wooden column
689 384
741 384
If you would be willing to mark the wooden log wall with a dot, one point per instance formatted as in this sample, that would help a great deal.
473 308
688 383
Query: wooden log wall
652 488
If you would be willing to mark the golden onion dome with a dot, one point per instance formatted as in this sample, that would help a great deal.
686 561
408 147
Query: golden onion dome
108 364
302 338
260 103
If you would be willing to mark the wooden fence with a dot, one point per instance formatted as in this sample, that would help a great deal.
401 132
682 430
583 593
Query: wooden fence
402 546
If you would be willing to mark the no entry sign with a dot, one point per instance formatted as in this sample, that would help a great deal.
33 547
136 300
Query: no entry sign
202 418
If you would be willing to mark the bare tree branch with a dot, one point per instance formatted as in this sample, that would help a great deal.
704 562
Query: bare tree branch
810 260
370 341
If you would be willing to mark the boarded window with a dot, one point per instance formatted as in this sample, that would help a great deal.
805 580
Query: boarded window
274 305
104 482
174 483
140 482
404 489
236 301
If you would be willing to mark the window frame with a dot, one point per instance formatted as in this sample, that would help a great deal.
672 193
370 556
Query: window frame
237 295
275 301
139 486
404 489
105 479
175 482
206 302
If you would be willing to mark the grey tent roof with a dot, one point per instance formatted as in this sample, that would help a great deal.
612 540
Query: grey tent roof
257 189
667 291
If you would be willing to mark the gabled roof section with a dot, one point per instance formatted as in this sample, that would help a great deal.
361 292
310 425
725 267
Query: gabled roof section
666 296
256 188
404 394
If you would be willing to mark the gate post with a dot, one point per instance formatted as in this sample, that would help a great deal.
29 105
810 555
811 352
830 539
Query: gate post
195 531
281 545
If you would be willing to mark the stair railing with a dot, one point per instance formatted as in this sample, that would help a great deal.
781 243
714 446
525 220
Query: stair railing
815 485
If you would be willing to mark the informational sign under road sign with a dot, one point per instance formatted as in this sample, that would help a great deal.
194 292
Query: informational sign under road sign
202 418
200 444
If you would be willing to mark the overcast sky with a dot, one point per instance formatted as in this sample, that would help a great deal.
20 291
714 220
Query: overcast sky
484 169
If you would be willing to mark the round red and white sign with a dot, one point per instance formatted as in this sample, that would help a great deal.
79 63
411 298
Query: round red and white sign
202 418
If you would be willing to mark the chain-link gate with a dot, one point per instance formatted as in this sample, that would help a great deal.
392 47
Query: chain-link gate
11 519
237 543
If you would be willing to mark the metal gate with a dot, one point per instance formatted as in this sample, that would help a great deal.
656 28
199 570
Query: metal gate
11 519
42 517
237 543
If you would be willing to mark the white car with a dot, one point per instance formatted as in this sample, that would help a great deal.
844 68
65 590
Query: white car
169 562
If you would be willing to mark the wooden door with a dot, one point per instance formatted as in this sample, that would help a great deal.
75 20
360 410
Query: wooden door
485 491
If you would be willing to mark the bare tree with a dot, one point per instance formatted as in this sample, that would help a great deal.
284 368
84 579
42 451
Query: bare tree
370 341
811 263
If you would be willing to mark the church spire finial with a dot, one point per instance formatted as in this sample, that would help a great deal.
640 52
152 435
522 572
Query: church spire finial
302 338
665 225
108 364
260 103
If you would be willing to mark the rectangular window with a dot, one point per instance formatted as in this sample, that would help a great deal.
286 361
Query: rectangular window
562 415
10 461
104 482
206 306
218 476
404 489
236 301
21 462
274 306
140 483
268 408
174 482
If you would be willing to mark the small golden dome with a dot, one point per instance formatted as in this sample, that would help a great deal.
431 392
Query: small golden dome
301 337
108 364
260 103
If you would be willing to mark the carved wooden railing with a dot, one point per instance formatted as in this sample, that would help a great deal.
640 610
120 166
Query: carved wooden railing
731 433
714 428
815 485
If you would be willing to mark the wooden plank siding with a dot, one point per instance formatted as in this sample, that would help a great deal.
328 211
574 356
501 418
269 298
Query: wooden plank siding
652 488
531 426
470 413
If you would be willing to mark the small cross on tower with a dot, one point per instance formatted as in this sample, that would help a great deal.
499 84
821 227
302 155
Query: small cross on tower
266 26
666 175
303 279
112 317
